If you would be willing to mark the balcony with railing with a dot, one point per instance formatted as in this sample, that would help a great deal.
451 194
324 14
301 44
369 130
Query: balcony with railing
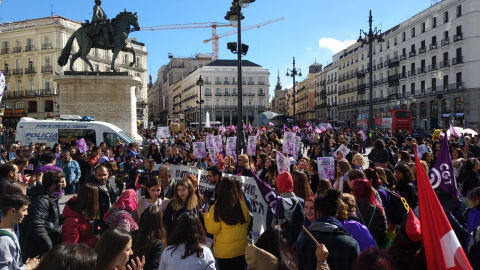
31 93
226 82
433 46
47 46
47 69
403 57
15 94
29 48
250 83
457 60
411 73
17 71
379 66
208 94
30 70
261 94
17 49
251 94
411 54
422 50
5 50
432 67
421 70
392 62
6 72
46 92
445 64
403 75
445 42
218 94
458 37
394 77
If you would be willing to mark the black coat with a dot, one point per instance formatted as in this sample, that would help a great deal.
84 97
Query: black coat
43 216
105 199
152 257
407 190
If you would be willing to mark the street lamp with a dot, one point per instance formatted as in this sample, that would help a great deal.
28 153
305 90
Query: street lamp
369 38
235 16
199 102
294 72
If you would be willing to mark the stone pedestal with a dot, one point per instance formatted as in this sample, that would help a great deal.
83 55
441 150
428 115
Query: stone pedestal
107 98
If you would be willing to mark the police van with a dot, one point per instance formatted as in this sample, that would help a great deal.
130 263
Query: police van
69 128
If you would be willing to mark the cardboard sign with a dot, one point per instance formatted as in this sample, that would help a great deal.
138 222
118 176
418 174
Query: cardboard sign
283 164
199 150
231 146
82 145
163 132
326 168
252 146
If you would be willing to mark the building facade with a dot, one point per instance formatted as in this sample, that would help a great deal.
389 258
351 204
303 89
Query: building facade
28 58
427 64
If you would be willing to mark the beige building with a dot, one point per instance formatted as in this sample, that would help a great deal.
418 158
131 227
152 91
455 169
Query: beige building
28 58
305 95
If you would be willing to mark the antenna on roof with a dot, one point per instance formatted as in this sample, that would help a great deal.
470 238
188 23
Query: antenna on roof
51 10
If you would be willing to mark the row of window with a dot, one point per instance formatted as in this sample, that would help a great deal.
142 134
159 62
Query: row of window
232 80
227 102
32 106
47 83
208 91
29 45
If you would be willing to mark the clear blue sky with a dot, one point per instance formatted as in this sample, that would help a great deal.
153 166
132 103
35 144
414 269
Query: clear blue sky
272 46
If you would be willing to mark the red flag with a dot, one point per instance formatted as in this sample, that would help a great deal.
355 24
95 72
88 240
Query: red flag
442 248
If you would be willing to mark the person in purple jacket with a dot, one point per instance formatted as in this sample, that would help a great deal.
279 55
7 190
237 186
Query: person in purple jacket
347 216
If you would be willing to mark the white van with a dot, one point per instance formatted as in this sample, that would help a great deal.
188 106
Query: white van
65 131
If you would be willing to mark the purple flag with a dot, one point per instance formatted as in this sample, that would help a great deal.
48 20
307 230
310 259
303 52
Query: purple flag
317 130
296 129
364 136
270 124
322 129
258 132
329 126
442 178
244 126
268 195
250 128
455 132
307 124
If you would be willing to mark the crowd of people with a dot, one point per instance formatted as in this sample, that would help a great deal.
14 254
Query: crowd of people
129 212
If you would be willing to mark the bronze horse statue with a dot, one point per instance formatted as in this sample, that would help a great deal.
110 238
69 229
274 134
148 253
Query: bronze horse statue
121 25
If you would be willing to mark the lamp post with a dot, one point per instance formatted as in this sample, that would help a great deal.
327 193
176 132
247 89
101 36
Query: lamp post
369 38
294 72
235 17
199 102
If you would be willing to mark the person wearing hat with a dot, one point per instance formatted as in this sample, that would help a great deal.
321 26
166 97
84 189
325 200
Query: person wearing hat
131 166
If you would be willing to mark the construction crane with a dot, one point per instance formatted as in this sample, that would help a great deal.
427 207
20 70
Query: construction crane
215 38
213 25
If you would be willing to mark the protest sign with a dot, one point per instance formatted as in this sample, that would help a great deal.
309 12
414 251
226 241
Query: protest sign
252 146
326 168
199 150
163 132
249 186
421 149
231 146
210 141
282 163
342 149
82 145
213 156
296 146
218 143
288 141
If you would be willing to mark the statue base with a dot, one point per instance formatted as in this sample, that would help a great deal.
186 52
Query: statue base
108 98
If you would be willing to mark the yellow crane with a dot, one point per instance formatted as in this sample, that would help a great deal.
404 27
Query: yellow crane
213 25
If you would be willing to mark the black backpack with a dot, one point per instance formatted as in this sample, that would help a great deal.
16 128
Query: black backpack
397 208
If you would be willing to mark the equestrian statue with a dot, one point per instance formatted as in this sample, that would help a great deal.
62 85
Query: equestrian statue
102 34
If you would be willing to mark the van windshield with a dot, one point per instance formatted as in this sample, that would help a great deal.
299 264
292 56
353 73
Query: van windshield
111 138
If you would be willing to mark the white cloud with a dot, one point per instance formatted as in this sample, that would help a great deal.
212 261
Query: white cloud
334 45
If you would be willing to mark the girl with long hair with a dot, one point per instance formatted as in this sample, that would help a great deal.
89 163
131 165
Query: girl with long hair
312 169
343 167
184 200
309 210
301 188
229 165
228 221
369 211
404 185
194 181
153 196
271 251
154 153
114 249
150 239
261 170
79 214
347 215
187 246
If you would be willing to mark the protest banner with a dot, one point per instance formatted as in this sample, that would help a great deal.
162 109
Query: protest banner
421 149
252 146
199 150
163 132
326 168
283 163
249 186
231 146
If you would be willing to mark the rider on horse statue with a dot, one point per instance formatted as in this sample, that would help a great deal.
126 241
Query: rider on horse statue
100 23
